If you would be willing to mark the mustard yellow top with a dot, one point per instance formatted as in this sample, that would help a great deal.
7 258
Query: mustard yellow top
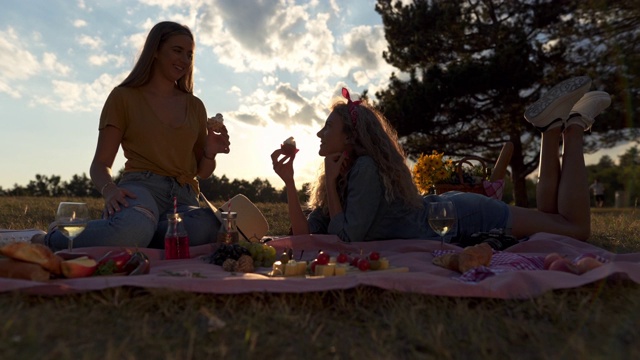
150 145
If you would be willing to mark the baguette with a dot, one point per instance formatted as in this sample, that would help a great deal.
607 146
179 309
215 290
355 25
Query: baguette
16 269
33 253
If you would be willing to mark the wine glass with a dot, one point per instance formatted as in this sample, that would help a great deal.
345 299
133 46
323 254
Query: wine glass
71 219
442 217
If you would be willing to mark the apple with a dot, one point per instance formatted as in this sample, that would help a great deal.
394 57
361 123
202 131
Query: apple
79 267
550 259
342 258
586 264
114 261
374 255
364 264
323 258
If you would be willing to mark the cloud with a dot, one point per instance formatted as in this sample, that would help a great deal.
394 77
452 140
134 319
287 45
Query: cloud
268 36
79 22
50 63
16 62
99 60
91 42
73 96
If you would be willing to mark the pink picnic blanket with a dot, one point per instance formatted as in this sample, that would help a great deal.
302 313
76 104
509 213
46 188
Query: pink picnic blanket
514 273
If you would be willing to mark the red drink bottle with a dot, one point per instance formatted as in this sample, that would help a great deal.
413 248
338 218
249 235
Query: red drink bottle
176 240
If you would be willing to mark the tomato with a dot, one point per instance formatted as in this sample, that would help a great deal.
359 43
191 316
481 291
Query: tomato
364 265
342 258
374 255
323 258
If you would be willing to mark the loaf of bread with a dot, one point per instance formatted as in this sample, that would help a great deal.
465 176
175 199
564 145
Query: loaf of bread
33 253
16 269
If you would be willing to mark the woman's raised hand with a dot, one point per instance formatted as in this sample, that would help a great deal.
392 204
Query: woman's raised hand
217 143
283 165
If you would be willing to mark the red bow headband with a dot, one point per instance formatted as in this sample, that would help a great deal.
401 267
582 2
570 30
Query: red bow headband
352 106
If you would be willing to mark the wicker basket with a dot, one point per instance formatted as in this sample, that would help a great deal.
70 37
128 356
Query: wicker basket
462 186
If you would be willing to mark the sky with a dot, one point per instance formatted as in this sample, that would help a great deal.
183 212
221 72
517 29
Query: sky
271 67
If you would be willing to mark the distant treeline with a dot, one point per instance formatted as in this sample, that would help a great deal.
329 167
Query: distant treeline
216 189
621 181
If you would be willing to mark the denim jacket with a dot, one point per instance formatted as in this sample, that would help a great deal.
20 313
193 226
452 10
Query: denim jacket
367 215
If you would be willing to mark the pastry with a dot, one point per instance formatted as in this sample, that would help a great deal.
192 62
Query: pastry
449 261
288 147
475 256
216 123
471 257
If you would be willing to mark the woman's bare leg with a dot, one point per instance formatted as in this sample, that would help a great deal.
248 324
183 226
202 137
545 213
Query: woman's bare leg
549 171
563 191
573 190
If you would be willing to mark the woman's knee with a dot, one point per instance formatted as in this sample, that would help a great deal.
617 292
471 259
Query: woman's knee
134 227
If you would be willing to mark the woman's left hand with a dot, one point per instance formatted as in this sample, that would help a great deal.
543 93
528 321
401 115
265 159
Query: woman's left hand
333 165
217 143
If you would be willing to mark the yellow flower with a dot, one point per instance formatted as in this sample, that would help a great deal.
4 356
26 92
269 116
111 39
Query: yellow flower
433 169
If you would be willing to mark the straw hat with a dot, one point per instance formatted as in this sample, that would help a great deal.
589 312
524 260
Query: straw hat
251 224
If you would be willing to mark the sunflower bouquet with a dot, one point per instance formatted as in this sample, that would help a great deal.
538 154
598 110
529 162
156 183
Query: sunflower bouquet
432 171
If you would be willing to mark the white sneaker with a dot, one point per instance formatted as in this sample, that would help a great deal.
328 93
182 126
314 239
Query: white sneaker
588 107
553 108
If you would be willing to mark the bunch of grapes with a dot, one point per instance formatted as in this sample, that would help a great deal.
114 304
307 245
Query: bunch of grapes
226 251
263 255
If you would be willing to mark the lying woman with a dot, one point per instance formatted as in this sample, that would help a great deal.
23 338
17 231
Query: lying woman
366 192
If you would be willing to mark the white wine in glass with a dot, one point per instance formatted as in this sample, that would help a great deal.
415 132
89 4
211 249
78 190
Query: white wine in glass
442 217
72 219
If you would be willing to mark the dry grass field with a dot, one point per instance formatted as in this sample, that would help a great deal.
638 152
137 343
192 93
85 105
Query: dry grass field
598 321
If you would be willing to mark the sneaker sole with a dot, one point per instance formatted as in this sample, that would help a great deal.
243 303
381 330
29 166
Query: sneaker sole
551 105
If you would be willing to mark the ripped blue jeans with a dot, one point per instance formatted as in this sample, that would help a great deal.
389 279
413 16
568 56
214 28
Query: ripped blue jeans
144 222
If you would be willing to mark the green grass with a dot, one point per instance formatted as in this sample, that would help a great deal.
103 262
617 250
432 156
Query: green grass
598 321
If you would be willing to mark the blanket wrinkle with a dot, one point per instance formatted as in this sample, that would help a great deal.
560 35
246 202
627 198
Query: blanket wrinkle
513 274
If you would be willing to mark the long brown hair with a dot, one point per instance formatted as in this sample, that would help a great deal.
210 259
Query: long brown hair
158 35
373 136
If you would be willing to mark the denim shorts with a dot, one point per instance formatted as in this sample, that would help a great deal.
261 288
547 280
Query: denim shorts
474 213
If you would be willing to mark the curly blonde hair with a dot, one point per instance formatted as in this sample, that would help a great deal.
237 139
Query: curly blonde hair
372 136
158 35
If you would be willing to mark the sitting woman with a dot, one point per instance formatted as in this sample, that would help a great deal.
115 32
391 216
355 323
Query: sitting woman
162 128
366 190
